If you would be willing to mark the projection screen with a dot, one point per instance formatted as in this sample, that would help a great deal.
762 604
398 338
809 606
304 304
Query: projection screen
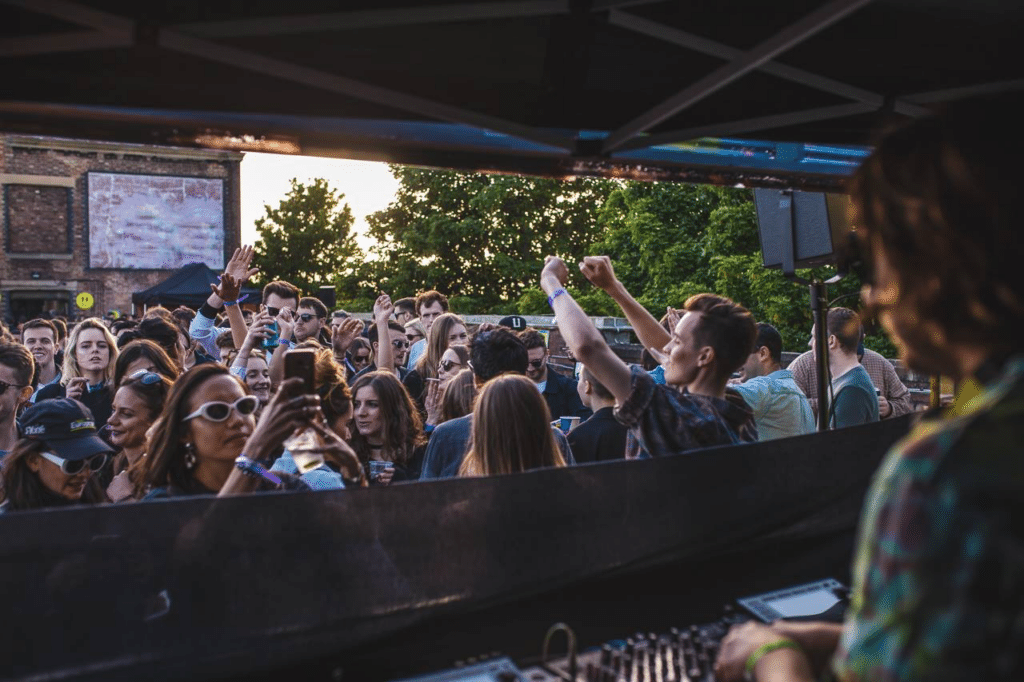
154 222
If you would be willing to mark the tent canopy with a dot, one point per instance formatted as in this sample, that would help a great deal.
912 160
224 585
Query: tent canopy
551 87
188 286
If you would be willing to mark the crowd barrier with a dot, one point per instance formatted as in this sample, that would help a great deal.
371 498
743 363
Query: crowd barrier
212 588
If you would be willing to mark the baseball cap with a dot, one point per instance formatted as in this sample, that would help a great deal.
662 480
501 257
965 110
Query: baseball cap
66 426
513 322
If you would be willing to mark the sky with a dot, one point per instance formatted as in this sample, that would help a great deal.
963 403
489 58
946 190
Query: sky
368 186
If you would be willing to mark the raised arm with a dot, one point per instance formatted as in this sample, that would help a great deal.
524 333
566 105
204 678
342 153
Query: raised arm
580 334
239 271
598 269
382 311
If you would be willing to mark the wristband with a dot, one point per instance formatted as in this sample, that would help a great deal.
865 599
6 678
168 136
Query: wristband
762 651
228 304
286 343
555 294
253 468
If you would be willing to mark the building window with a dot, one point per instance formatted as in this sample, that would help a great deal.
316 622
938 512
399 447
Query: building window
37 219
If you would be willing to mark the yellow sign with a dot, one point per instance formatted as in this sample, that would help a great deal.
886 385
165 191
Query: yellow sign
84 301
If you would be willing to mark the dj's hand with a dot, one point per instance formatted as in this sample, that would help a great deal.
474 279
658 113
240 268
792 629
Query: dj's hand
743 640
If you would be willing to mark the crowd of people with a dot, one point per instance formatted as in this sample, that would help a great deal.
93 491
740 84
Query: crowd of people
186 402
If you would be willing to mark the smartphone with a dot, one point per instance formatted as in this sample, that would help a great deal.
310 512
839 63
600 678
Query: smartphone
301 363
305 446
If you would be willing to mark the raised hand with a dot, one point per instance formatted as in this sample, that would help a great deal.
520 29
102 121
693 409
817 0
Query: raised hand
238 266
286 323
383 308
554 267
599 271
339 452
672 318
258 330
284 414
228 289
432 401
346 334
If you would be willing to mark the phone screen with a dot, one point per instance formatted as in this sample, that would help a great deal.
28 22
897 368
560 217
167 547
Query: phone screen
301 362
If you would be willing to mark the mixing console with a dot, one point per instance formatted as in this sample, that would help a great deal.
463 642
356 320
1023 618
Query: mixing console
681 655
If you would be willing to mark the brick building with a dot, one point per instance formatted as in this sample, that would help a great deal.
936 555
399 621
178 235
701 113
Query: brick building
47 260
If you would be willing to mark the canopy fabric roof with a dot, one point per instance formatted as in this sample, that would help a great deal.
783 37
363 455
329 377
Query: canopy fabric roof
188 286
551 87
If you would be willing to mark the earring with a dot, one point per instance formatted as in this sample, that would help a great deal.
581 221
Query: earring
190 456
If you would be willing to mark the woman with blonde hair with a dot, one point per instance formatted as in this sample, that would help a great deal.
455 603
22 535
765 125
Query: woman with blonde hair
511 430
88 372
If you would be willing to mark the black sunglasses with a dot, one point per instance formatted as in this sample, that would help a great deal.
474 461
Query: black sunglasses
4 386
273 312
447 365
536 364
400 344
306 317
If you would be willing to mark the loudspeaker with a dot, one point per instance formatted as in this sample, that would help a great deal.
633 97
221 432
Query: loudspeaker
802 229
327 297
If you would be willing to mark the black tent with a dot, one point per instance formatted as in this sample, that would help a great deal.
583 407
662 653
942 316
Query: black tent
619 88
188 286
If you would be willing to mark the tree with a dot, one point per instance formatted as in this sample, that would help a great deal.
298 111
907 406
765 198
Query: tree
479 238
307 240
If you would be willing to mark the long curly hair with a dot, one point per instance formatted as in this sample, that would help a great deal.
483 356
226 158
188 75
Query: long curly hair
403 428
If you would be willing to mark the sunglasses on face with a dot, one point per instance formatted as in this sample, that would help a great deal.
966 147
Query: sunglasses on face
400 344
447 365
74 466
146 377
536 364
360 359
4 386
306 317
218 411
273 312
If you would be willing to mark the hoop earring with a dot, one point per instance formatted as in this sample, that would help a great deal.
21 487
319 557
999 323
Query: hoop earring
190 456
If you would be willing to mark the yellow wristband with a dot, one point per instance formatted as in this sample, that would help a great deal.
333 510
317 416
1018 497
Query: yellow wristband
765 649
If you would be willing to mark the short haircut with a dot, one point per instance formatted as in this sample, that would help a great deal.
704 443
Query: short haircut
496 352
224 340
315 304
162 332
532 338
844 324
39 324
600 389
430 298
393 325
725 326
282 289
183 317
407 304
62 327
19 359
769 337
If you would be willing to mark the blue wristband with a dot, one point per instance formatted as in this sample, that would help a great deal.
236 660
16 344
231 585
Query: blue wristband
228 304
555 294
253 468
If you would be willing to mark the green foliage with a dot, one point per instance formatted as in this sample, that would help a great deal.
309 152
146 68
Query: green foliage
480 238
307 240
